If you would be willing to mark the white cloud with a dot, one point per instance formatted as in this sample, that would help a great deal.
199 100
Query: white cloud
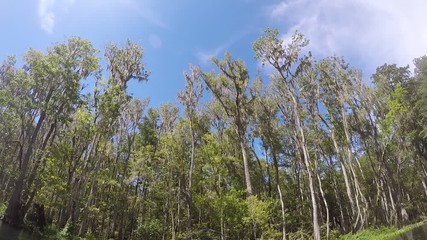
368 32
155 41
66 4
150 10
46 12
46 15
205 56
147 9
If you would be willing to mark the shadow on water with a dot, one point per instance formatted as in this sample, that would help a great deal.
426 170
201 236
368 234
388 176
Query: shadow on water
10 233
419 233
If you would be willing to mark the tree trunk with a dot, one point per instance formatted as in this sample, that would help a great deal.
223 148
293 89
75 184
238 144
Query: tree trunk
282 204
243 145
316 228
326 205
303 145
343 222
14 214
360 198
345 175
85 212
424 183
190 175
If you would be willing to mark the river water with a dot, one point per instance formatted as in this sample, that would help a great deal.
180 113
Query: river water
419 233
10 233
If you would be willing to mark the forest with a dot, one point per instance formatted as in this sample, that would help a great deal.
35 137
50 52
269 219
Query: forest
309 150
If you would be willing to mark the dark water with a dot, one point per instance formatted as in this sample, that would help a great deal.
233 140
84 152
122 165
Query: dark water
9 233
419 233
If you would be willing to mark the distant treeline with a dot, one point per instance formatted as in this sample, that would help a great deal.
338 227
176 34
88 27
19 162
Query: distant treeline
311 151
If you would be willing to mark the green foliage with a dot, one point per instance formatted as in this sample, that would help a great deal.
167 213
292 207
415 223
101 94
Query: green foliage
383 233
396 108
258 212
63 234
2 208
300 234
333 234
149 229
125 63
99 166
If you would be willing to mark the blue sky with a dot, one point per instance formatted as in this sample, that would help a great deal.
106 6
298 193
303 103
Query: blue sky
177 33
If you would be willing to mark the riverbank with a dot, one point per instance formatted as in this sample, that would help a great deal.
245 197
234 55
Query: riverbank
385 233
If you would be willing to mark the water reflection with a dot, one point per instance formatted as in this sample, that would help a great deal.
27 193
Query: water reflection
419 233
9 233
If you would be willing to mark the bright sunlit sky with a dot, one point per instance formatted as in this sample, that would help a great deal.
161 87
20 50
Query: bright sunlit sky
176 33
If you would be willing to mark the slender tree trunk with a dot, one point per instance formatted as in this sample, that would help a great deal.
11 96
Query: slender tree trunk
345 175
14 213
85 212
316 228
303 145
423 182
269 181
282 205
173 233
276 165
243 145
268 172
261 170
384 201
33 172
326 205
360 198
222 225
343 222
190 175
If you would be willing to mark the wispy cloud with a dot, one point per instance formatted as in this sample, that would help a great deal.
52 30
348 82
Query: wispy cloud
205 56
153 17
46 15
46 12
155 41
147 9
372 32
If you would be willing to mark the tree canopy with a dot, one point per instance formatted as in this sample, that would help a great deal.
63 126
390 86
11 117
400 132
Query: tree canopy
311 151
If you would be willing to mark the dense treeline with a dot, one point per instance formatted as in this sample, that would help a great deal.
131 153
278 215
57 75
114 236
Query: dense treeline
310 151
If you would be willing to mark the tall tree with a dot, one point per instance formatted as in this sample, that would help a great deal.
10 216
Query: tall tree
230 88
338 86
190 98
51 96
290 69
